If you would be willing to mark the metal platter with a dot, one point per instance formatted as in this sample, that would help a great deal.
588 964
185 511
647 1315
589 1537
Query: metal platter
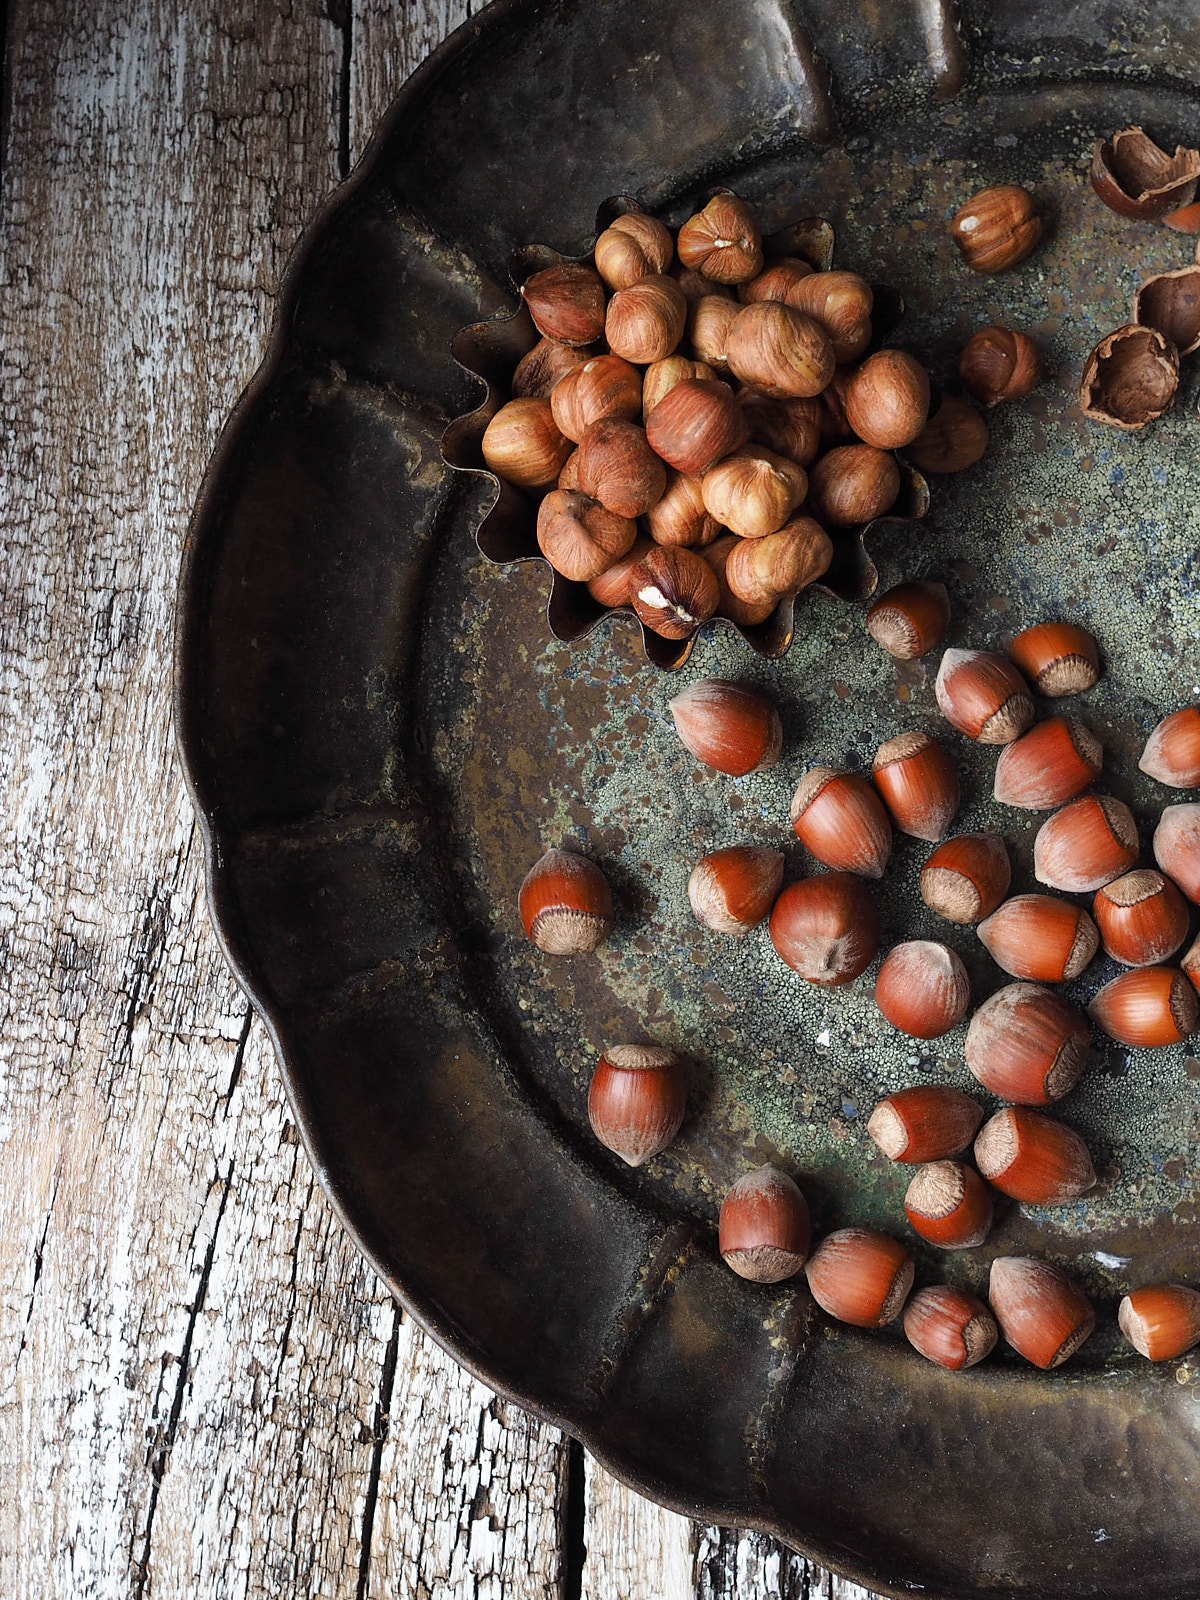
380 733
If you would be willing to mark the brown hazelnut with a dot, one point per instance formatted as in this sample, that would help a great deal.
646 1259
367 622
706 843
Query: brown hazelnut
984 696
633 246
1170 302
522 444
1136 179
910 619
1042 1313
1000 364
1057 658
708 324
566 303
764 1229
680 516
696 424
602 388
826 928
761 572
754 491
853 483
673 591
778 351
645 322
618 468
565 903
841 302
722 241
611 588
954 438
745 613
966 877
660 377
729 726
1130 378
1172 752
1147 1006
578 537
636 1100
777 281
997 227
695 285
835 425
568 478
887 399
839 817
732 890
923 988
540 368
791 428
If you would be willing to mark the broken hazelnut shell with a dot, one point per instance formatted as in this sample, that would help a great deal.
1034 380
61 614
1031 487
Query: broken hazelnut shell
1137 179
1130 378
1170 303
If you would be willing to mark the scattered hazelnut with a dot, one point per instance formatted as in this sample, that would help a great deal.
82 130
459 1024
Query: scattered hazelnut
840 819
522 444
696 424
673 591
764 1230
910 619
1136 179
1142 918
918 783
722 241
826 928
791 428
1057 658
732 890
887 399
1040 938
602 389
997 227
1041 1312
566 303
636 1100
680 516
646 321
728 726
708 323
1130 378
1085 845
778 351
853 483
949 1204
953 439
923 989
950 1327
618 468
1033 1158
1052 763
660 377
966 878
1177 847
859 1276
754 491
1161 1320
633 246
541 368
925 1123
578 537
1147 1006
1172 752
565 903
1000 364
984 696
1028 1045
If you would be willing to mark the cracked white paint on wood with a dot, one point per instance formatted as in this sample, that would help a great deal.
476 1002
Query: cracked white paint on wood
203 1391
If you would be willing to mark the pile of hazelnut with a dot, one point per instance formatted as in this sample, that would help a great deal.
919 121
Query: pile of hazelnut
698 422
1026 1044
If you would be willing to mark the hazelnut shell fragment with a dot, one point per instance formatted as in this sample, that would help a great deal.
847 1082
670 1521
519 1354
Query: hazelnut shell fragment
1137 179
1130 378
1170 302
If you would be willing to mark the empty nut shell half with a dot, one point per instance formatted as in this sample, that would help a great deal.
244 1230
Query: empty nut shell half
1137 179
1170 303
1130 378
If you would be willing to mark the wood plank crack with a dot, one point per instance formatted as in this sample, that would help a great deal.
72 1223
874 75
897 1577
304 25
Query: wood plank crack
379 1434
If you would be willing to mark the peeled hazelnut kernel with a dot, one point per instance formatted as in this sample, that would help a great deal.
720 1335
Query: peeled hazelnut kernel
660 377
673 591
1085 845
1161 1320
708 323
754 491
565 903
522 444
923 989
611 588
636 1100
722 241
887 399
618 467
745 613
949 1204
1040 938
1000 364
841 302
953 439
1177 848
602 389
633 246
731 891
764 1230
1033 1158
764 571
925 1123
568 478
728 726
646 321
984 696
1028 1045
1130 378
840 819
695 425
1052 763
826 928
918 783
997 227
1137 179
777 281
1056 658
835 425
791 428
852 484
778 351
1147 1006
566 303
1172 753
1041 1312
695 285
910 619
949 1326
541 368
680 516
966 878
579 538
859 1276
1142 918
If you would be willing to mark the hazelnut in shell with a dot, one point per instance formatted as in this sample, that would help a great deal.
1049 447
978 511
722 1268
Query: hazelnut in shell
754 491
1177 848
826 928
761 572
887 399
1085 845
723 241
780 352
696 423
645 322
522 444
954 438
1028 1045
791 428
602 388
578 537
618 467
1032 1158
660 377
1000 364
949 1204
910 619
1161 1320
997 227
1142 918
950 1327
1130 378
1040 938
731 728
1052 763
923 989
636 1100
984 696
540 369
732 890
1172 752
861 1277
673 591
565 903
1042 1313
681 517
918 783
1136 179
633 246
764 1230
853 483
1148 1007
1056 658
967 877
840 819
928 1122
566 303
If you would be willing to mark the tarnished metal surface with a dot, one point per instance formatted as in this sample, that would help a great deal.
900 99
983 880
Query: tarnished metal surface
381 734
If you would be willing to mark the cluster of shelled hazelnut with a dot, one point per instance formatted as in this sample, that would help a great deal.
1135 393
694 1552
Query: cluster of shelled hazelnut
1132 375
1026 1044
698 422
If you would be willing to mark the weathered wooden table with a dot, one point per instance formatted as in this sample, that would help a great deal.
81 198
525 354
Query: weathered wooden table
203 1391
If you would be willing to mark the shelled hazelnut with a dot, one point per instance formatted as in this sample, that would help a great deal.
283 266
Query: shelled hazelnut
853 483
761 572
887 399
953 439
673 591
578 537
780 352
997 227
708 323
722 242
790 427
681 516
696 423
618 468
566 303
602 389
841 302
612 587
1000 364
633 246
753 492
645 322
523 444
777 281
660 377
539 369
745 613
